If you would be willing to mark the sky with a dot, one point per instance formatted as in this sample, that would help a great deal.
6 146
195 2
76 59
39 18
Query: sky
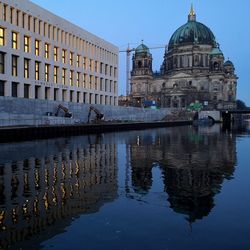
124 22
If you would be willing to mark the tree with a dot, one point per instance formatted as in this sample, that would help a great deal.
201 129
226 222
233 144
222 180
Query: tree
241 105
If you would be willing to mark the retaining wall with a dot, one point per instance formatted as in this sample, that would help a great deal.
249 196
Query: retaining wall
34 112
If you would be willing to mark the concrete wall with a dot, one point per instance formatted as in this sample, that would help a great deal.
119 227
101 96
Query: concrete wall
21 111
212 113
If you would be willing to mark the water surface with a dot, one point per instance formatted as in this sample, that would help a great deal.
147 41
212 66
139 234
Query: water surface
167 188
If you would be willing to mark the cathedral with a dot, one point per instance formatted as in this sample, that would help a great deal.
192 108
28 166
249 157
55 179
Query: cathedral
194 70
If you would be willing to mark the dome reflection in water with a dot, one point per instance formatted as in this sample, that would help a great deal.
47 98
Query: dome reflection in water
114 189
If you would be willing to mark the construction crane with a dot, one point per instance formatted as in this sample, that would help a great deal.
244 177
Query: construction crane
128 51
66 111
99 115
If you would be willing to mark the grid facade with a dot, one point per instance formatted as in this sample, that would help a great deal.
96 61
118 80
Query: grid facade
43 56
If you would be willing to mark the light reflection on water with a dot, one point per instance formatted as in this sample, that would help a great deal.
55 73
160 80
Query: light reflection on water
113 190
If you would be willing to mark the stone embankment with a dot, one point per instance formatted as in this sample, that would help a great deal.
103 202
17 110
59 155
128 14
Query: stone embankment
24 119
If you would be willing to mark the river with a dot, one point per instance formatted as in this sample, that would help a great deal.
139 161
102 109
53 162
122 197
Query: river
168 188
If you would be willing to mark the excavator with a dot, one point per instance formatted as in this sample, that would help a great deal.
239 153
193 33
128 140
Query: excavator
66 111
99 115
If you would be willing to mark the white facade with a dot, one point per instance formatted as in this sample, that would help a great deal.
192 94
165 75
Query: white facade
46 57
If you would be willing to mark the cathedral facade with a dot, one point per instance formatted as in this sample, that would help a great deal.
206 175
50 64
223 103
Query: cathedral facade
193 70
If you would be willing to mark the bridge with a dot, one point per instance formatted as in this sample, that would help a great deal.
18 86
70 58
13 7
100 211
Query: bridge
221 115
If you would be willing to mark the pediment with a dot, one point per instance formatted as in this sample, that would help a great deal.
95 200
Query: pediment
181 75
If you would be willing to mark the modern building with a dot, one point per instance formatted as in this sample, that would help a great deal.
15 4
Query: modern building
44 56
193 70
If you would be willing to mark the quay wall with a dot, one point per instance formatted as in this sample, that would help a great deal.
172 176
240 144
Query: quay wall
35 112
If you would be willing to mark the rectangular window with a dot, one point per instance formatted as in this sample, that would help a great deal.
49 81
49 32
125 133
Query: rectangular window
4 12
37 91
106 69
71 77
47 93
90 64
37 47
110 70
26 68
84 80
14 40
46 50
55 74
78 96
55 54
101 83
71 58
26 91
78 61
37 70
63 56
96 66
26 44
47 72
2 83
2 36
71 93
14 89
63 76
17 17
56 94
64 95
14 65
84 63
78 79
2 63
96 83
11 15
101 67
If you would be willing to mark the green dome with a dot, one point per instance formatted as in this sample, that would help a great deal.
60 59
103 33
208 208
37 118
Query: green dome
216 51
192 33
142 48
228 63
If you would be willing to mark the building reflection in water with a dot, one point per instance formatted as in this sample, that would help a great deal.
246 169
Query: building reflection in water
193 162
44 182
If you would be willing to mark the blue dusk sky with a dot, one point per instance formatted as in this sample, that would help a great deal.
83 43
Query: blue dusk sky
129 21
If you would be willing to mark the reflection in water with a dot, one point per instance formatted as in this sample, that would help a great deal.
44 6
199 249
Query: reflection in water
45 182
193 165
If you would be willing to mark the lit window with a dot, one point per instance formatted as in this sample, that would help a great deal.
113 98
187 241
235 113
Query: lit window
78 61
46 50
71 78
26 68
1 63
14 65
55 74
71 58
78 79
63 76
37 47
63 56
55 54
2 40
47 72
26 44
14 40
37 71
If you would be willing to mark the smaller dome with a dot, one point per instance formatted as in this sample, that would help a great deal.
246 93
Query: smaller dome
142 48
216 51
228 63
